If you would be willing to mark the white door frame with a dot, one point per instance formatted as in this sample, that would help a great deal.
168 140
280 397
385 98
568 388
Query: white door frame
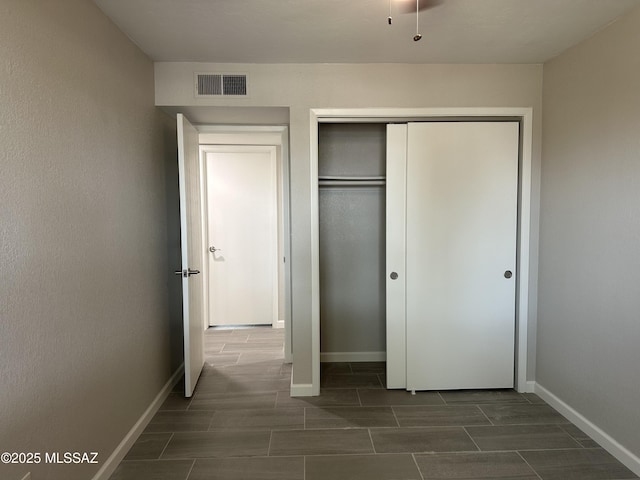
382 115
274 136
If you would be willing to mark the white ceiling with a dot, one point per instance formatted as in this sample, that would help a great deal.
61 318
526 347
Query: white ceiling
356 31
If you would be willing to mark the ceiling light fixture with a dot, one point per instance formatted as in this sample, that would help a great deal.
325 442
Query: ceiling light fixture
426 4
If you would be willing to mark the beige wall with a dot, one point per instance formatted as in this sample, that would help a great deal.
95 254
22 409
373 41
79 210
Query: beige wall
85 343
589 294
301 87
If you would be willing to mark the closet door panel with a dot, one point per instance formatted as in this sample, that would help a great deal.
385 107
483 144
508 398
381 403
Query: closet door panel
396 254
461 239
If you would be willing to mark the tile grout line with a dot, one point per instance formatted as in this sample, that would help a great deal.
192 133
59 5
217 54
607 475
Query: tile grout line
193 464
576 439
166 445
211 420
485 415
304 467
395 416
440 426
528 464
563 449
527 425
359 398
557 425
316 429
371 440
471 438
269 447
413 456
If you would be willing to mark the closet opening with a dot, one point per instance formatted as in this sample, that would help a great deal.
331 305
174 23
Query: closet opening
395 183
352 259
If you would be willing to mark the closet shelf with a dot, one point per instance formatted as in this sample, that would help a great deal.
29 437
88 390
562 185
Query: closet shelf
359 183
350 181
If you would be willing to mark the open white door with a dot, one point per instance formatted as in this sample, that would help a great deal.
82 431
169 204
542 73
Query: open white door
191 244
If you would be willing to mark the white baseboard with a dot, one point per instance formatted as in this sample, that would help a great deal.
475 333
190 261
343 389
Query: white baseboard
301 390
606 441
111 463
528 387
353 357
278 324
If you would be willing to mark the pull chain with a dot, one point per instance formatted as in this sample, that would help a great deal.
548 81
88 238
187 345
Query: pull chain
417 36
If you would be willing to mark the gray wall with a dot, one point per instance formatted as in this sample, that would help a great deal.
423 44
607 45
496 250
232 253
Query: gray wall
84 339
589 290
304 86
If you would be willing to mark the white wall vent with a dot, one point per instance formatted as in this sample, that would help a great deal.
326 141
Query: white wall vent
221 84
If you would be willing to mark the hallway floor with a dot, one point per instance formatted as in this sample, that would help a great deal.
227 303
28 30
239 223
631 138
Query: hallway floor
242 424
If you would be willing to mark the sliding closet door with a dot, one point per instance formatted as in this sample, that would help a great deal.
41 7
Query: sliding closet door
461 208
396 275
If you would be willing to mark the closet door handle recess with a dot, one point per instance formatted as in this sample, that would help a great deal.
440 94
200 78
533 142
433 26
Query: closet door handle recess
393 276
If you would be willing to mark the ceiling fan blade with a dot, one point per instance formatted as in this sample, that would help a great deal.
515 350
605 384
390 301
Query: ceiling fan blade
409 6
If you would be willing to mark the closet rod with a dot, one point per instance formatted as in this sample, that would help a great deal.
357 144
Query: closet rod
346 183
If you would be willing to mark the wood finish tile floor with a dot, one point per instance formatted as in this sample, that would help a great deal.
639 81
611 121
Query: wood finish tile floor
242 424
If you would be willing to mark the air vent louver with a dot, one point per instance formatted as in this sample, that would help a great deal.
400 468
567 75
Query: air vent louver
234 84
208 84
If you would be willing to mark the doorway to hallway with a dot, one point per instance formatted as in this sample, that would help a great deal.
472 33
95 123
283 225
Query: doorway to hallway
241 232
263 143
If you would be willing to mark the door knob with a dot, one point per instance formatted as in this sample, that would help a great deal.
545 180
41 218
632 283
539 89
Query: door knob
508 274
394 276
214 249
